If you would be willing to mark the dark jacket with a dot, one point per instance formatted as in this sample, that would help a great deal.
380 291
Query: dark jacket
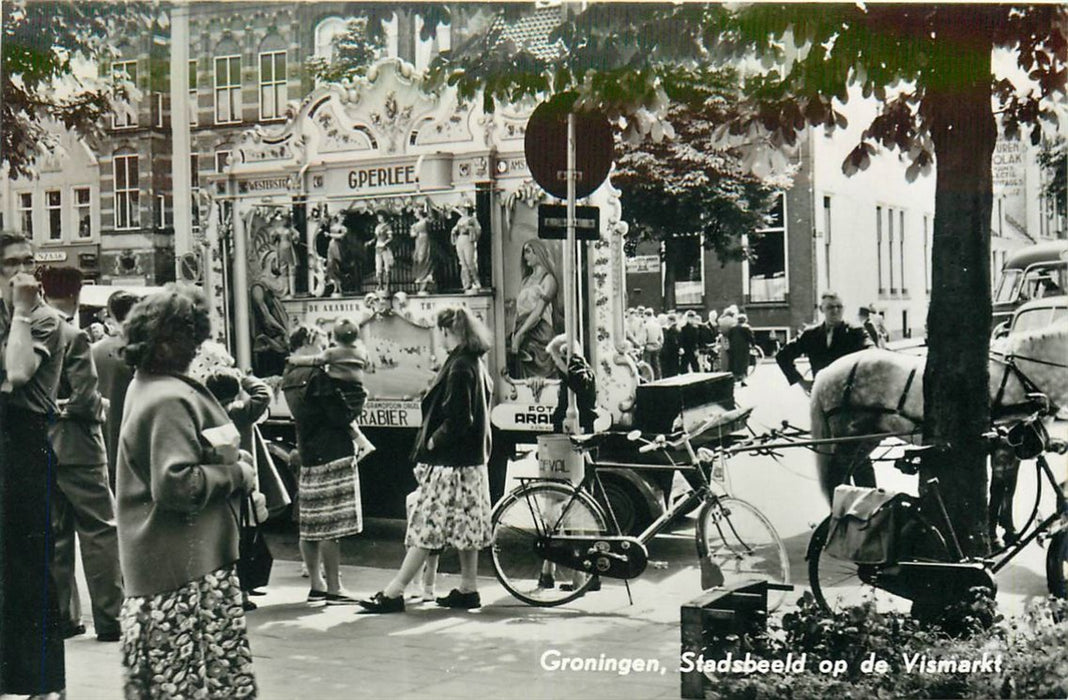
813 344
739 341
689 337
456 415
114 378
173 502
580 380
321 413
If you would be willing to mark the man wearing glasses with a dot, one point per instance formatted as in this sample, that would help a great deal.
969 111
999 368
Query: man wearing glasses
31 641
822 344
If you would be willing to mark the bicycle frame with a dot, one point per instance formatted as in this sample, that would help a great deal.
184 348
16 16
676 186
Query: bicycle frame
1059 512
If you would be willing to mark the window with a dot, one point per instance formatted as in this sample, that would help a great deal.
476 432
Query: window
901 249
879 246
767 259
890 248
161 210
26 214
827 238
159 110
325 33
684 260
127 211
193 93
272 84
227 89
83 212
222 159
126 116
194 186
54 209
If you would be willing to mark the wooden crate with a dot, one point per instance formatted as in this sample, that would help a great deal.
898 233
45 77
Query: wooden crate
717 622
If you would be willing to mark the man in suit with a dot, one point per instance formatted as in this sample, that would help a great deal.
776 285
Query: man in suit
822 344
114 374
84 503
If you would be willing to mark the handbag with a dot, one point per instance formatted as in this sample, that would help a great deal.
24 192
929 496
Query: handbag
254 560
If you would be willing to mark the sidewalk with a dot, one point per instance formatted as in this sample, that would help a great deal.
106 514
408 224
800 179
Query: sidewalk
495 652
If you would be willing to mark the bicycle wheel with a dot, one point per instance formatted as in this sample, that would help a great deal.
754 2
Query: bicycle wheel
736 538
525 517
839 583
1057 565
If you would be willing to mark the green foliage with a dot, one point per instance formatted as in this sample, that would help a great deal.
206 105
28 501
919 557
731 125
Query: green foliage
43 45
687 181
1032 649
354 52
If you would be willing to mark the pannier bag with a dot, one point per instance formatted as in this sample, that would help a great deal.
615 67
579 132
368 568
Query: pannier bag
864 524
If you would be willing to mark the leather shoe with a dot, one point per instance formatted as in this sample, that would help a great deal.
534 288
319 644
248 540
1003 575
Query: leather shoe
463 601
73 630
381 603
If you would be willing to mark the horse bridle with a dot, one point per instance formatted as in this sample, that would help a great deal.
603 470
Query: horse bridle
1029 386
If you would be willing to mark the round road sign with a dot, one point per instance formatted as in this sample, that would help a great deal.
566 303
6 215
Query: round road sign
545 147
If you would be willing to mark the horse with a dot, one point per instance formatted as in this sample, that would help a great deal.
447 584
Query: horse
880 391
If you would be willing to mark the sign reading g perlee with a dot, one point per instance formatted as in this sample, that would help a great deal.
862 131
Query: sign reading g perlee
382 176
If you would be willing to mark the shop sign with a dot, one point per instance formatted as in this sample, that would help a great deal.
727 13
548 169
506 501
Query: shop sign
50 256
642 264
427 172
527 417
267 184
390 414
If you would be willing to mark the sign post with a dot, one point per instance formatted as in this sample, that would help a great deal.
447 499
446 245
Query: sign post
584 163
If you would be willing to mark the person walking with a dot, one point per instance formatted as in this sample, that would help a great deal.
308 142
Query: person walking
84 503
113 374
740 341
31 639
822 344
689 338
453 507
669 353
180 480
329 487
654 342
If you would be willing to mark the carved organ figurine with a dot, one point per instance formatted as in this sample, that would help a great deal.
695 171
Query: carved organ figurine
422 260
465 235
383 255
334 256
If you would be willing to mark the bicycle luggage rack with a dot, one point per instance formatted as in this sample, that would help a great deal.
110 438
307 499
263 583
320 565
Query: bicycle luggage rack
718 622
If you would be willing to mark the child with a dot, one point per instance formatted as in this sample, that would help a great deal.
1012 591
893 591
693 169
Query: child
345 362
429 572
226 385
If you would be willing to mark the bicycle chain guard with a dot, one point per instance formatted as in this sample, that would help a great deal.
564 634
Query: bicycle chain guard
611 557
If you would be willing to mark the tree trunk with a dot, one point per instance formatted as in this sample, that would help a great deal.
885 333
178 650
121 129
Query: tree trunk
956 395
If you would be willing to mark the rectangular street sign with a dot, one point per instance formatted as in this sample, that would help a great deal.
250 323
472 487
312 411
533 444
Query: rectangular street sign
552 222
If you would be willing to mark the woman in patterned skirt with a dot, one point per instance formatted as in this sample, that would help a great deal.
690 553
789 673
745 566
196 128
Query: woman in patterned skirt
178 489
451 450
323 409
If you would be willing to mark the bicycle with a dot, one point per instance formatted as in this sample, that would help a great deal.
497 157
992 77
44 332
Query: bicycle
549 529
930 569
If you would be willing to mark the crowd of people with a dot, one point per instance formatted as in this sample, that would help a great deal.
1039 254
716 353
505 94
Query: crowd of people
141 445
676 343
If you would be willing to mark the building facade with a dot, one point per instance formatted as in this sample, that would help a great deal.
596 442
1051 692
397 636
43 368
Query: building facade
867 236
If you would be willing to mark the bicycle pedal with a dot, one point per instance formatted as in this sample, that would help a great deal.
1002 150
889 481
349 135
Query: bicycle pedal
658 564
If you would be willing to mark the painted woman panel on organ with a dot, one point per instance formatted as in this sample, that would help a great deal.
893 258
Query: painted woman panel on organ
539 312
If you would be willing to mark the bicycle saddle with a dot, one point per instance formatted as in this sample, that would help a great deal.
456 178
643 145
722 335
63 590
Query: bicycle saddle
590 441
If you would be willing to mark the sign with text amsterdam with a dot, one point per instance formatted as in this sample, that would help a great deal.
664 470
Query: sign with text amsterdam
545 147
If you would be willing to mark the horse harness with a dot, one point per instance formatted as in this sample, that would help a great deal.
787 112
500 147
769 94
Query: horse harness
1011 369
848 405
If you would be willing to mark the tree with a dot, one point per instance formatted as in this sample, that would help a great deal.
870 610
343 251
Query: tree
928 66
48 52
692 183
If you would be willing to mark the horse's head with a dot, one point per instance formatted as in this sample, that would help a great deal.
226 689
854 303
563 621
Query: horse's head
1042 357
